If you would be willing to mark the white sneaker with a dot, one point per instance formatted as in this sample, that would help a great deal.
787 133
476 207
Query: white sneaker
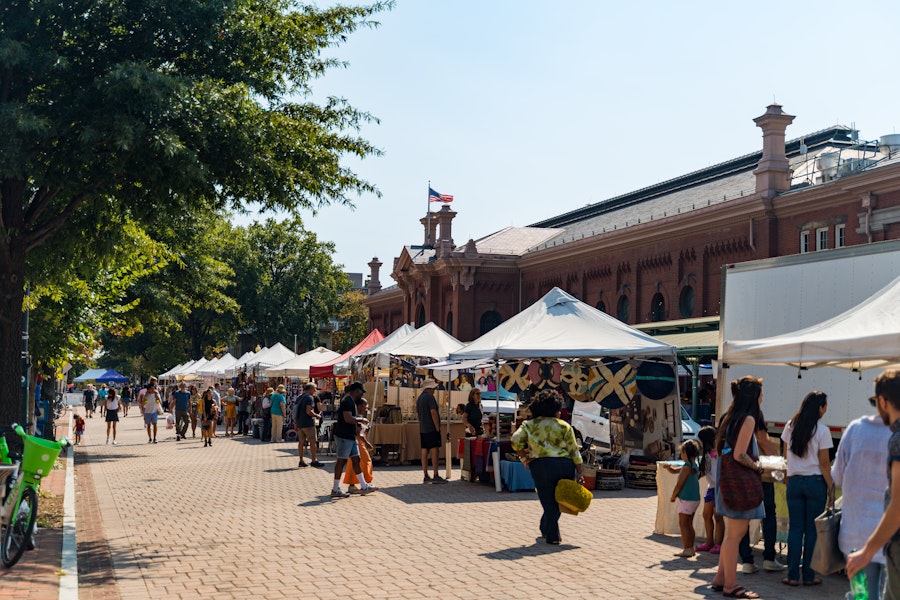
749 568
773 565
107 441
115 443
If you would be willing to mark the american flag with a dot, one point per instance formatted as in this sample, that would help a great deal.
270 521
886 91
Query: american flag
433 196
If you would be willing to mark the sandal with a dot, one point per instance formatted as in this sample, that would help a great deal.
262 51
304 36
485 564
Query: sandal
815 581
791 582
716 588
740 592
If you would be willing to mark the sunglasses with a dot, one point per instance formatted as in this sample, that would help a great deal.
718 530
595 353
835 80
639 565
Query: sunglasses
873 400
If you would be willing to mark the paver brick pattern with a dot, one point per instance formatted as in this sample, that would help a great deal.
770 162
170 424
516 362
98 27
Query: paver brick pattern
240 519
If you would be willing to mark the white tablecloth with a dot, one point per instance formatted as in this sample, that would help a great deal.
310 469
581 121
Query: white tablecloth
666 512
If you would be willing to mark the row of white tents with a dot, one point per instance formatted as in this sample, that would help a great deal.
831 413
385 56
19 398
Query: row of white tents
556 326
275 361
559 326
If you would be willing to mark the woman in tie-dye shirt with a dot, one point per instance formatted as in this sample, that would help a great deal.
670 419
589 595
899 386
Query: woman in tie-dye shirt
546 445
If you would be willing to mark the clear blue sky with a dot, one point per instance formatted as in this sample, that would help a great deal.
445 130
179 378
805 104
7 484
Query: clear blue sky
523 110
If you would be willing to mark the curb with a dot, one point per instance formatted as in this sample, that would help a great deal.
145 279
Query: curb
68 582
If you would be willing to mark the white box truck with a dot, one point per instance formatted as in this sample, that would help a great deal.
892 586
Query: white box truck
772 296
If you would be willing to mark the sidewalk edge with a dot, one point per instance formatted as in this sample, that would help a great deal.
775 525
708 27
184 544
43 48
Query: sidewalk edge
68 581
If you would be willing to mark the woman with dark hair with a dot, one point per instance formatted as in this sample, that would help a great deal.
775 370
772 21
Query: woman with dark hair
209 414
737 436
196 409
474 414
809 484
546 445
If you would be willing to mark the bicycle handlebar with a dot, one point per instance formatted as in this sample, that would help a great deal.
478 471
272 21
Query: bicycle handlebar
21 433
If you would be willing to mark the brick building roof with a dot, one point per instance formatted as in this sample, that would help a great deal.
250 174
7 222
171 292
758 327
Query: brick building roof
712 185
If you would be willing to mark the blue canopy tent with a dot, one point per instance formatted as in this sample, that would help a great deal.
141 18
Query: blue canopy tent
111 376
90 375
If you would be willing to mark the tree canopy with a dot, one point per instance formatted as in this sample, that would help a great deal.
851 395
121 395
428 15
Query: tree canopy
151 109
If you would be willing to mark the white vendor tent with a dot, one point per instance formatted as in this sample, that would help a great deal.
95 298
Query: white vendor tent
866 336
391 341
216 366
171 373
240 363
428 341
270 357
89 375
225 363
189 373
208 369
299 365
561 326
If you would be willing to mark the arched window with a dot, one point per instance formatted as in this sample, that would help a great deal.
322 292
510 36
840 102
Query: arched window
601 306
489 320
420 317
449 327
623 308
657 308
686 302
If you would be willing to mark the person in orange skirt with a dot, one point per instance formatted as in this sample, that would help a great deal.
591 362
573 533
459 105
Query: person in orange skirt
365 459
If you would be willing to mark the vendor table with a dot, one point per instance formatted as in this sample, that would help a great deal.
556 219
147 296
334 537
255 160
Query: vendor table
476 455
406 437
515 477
667 512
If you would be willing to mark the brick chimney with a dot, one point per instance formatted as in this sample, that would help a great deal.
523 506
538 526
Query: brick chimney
445 218
773 171
374 282
445 241
430 226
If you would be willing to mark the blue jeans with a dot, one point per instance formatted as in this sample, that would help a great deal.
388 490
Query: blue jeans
547 472
769 528
874 580
806 497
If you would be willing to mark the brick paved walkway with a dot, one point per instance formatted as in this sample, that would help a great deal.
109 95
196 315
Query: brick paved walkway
36 575
239 518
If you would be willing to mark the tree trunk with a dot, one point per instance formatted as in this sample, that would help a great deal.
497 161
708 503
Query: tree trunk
12 294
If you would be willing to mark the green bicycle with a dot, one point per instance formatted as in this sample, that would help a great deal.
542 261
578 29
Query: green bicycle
18 510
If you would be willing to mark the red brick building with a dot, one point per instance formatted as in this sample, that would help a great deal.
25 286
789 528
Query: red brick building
654 254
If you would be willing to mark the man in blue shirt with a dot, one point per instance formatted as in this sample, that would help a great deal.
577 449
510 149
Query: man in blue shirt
182 410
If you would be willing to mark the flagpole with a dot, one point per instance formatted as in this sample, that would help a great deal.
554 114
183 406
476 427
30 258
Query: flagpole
428 216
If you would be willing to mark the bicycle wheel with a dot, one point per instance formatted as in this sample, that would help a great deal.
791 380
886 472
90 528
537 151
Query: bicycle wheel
16 535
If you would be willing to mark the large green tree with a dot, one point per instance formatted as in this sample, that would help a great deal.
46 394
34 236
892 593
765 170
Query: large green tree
353 321
151 107
285 282
184 310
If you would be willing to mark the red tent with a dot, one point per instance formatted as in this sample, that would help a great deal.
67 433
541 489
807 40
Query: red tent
326 370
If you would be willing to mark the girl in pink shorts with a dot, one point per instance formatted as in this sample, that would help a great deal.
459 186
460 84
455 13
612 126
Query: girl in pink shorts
687 494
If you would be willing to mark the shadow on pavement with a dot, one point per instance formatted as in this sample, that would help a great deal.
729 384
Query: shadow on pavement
456 492
538 548
323 499
91 457
284 470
